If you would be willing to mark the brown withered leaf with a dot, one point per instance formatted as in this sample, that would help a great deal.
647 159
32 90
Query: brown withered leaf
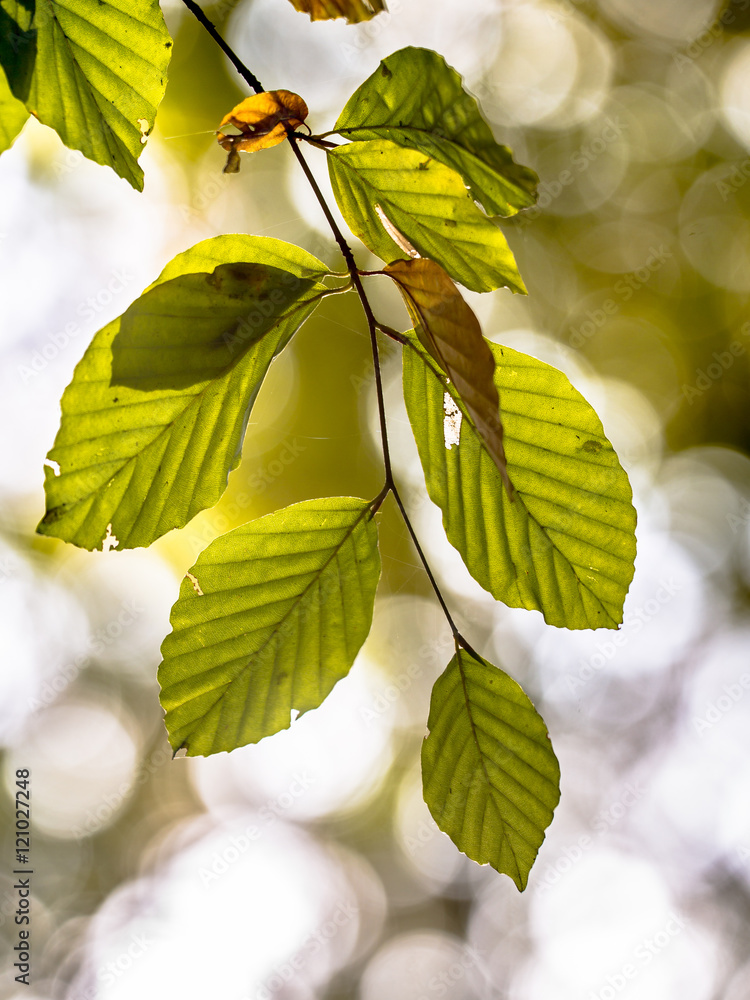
353 10
448 329
263 120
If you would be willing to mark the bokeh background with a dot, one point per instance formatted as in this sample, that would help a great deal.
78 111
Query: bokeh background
308 866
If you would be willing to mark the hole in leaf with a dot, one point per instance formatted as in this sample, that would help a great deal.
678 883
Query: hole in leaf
452 421
109 541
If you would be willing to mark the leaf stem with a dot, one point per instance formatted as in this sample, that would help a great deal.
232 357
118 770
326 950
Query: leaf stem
358 287
423 558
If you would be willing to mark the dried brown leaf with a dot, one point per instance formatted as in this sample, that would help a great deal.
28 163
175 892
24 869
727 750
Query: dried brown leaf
263 121
353 10
448 329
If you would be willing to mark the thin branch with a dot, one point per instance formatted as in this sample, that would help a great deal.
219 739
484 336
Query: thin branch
372 324
357 282
251 80
423 559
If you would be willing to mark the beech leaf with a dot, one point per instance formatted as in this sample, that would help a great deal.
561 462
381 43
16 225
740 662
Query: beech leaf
415 99
269 619
13 115
154 419
565 546
490 776
450 332
429 205
95 72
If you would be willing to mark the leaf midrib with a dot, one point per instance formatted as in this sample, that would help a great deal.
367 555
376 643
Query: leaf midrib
467 703
347 130
223 689
193 400
471 247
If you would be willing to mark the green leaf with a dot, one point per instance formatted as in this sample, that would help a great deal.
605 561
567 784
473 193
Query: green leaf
565 544
417 100
425 201
490 777
269 618
154 418
13 115
94 71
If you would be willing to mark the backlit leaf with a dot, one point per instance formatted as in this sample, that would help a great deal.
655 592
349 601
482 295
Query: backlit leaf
13 115
490 777
93 71
353 10
428 203
565 544
416 100
154 418
269 618
449 330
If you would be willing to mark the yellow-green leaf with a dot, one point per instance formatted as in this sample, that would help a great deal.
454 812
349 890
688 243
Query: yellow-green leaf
94 71
491 779
428 203
154 418
565 543
269 618
13 115
415 99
